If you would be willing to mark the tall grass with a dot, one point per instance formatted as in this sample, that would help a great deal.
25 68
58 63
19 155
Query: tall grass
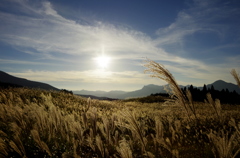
51 124
236 76
159 71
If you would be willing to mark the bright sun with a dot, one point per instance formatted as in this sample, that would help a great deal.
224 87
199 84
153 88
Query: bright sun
103 61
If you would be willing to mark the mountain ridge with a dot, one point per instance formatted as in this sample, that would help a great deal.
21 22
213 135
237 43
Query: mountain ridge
220 84
8 79
151 89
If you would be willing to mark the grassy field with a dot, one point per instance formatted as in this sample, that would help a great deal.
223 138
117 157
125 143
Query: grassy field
37 123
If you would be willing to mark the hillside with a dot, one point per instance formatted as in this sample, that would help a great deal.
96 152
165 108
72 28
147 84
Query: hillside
220 85
9 80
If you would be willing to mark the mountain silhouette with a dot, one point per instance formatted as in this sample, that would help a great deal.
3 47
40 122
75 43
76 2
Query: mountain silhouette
12 81
220 85
145 91
7 80
152 89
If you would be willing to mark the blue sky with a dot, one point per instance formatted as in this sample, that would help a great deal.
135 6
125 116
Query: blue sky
58 41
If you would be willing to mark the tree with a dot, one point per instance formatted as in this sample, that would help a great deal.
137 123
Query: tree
204 90
190 88
212 88
227 91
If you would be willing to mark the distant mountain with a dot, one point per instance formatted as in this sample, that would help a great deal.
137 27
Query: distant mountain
12 81
145 91
152 89
110 94
220 84
95 97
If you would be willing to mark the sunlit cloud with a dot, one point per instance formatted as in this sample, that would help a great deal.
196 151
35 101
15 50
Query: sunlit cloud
22 62
50 32
91 76
202 16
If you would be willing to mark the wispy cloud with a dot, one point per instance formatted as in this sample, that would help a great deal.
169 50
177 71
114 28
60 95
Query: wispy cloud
49 35
202 16
49 32
91 76
22 62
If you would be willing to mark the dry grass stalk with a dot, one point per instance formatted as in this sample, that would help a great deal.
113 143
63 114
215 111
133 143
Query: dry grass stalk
167 144
223 146
19 117
236 76
158 138
116 138
233 123
84 119
40 143
124 149
75 145
3 148
90 140
106 130
15 148
191 105
159 129
3 98
159 71
89 102
78 131
92 117
17 145
101 148
216 105
136 129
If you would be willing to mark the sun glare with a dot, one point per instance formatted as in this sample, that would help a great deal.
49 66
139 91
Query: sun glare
103 61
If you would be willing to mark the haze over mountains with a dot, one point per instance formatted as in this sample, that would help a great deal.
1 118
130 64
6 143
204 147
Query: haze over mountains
6 79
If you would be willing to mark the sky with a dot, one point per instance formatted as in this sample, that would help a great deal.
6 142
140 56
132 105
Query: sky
102 45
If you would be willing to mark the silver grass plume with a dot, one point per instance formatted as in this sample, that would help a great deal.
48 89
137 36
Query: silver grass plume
159 71
236 76
124 149
40 143
224 145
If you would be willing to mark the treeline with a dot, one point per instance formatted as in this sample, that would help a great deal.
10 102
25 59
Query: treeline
153 98
9 85
225 96
66 91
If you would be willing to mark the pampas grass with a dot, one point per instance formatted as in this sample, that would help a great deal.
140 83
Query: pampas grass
124 149
236 76
40 143
3 148
136 129
216 105
224 146
159 71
